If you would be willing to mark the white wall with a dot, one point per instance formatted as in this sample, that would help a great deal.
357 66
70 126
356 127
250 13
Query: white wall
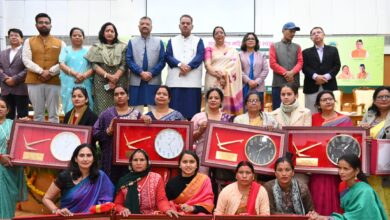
337 17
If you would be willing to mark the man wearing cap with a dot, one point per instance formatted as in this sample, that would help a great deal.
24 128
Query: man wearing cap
321 63
285 58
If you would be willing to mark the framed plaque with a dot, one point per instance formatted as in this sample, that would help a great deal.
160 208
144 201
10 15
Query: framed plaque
42 144
226 144
380 157
75 216
317 149
162 140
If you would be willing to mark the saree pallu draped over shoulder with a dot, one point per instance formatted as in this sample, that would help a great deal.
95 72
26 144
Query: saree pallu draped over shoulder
198 192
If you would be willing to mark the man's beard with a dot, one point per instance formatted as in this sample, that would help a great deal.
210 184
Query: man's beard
44 32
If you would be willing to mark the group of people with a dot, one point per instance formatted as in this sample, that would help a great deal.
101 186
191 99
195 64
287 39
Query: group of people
114 80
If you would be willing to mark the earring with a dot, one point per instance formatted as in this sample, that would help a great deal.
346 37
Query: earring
356 178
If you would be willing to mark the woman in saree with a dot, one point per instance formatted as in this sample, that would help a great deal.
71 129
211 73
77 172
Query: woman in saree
75 69
103 130
190 192
141 191
323 187
81 186
224 71
80 113
108 59
254 66
244 197
12 183
358 199
287 195
162 112
377 120
214 99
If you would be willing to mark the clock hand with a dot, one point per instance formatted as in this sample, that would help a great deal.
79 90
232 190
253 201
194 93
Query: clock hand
346 147
219 142
26 144
298 153
141 139
309 147
230 142
128 144
218 139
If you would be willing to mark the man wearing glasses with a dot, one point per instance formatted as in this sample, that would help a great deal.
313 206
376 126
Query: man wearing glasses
321 63
285 59
40 56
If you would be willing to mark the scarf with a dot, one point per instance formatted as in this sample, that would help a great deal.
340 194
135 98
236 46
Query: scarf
130 181
73 113
111 55
288 109
296 197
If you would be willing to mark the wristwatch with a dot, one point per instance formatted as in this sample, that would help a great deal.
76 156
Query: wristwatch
179 65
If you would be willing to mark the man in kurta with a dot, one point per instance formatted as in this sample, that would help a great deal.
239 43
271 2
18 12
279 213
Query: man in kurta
145 58
285 59
40 56
12 76
184 56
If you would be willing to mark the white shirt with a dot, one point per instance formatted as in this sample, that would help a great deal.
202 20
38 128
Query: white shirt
13 53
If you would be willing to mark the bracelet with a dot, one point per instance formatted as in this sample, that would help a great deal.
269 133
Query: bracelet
1 155
109 133
105 75
54 211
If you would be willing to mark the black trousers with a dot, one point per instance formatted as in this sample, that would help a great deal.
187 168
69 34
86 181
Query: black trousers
17 103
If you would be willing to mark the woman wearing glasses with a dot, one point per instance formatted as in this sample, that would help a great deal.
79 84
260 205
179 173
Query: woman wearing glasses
377 119
324 187
224 71
254 66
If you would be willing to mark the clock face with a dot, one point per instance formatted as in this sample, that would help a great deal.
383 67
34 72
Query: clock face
340 145
63 145
168 143
260 149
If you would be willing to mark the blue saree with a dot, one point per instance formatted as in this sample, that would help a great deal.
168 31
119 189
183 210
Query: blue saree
85 194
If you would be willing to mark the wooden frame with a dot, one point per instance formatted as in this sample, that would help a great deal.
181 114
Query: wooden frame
75 216
42 144
226 144
380 157
312 147
130 135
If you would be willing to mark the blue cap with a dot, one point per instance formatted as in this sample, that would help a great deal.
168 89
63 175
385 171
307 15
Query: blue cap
291 26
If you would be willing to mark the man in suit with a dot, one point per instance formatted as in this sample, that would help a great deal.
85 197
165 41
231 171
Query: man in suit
321 63
12 76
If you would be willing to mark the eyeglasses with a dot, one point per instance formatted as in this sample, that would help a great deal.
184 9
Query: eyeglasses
254 101
250 38
43 22
383 97
327 99
316 32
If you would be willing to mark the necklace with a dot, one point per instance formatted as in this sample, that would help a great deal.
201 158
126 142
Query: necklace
140 187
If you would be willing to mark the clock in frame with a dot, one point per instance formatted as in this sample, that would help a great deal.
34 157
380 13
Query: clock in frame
226 144
42 144
380 157
162 140
317 149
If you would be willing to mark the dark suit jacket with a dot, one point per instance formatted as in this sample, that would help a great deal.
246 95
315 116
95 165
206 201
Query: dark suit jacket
16 70
89 118
311 64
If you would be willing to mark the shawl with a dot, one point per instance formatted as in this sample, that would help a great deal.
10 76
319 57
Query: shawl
130 181
198 192
288 109
296 197
111 55
72 115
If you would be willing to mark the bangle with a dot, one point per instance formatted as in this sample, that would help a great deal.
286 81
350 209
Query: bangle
54 211
109 133
105 75
1 155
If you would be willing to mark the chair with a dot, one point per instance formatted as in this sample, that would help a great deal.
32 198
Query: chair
362 99
301 97
338 95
